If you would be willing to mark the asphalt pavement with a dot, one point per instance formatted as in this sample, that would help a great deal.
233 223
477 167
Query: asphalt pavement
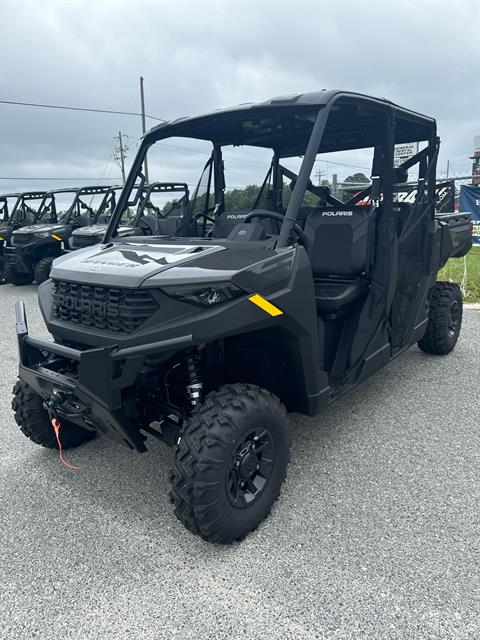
376 534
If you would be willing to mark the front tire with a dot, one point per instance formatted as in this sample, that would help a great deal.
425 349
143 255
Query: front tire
18 278
444 319
35 424
230 463
42 270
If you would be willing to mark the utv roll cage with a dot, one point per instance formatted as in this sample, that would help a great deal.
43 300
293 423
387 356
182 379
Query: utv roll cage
108 202
306 125
75 210
20 209
146 205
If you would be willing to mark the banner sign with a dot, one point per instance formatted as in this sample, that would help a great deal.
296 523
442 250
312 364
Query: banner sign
470 201
444 196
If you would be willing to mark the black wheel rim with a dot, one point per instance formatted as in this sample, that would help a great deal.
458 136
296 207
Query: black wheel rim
454 318
250 468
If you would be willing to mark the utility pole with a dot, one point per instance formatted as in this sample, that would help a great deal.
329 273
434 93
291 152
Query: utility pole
120 154
142 101
334 185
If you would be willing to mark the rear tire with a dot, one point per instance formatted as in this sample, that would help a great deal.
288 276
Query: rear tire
230 463
2 271
35 424
42 270
444 319
18 278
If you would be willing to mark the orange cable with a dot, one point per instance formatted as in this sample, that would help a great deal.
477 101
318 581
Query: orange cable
56 428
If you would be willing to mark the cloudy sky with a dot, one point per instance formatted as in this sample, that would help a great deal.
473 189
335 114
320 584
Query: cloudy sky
197 56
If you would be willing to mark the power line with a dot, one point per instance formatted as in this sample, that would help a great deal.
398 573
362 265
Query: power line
343 164
56 106
72 179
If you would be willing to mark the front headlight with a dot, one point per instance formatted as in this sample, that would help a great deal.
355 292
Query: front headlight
206 295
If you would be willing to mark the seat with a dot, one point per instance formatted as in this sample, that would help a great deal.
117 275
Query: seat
338 246
168 226
333 295
84 220
226 222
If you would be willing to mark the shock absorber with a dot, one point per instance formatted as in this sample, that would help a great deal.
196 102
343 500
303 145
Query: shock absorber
194 381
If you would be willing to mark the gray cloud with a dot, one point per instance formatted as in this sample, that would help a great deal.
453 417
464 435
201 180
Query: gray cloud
198 56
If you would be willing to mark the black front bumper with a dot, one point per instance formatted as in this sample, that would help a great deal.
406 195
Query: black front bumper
94 389
19 259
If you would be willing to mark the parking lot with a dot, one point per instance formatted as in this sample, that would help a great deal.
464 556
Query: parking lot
376 533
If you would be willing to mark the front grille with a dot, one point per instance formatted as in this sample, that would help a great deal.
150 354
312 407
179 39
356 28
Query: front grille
22 238
106 308
79 241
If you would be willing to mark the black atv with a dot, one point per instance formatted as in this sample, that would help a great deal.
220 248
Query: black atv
149 218
206 342
35 247
16 210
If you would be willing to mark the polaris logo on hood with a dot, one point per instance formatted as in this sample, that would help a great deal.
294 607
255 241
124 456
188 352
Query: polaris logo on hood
337 214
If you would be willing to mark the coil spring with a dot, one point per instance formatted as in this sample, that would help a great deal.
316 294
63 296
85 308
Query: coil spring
194 384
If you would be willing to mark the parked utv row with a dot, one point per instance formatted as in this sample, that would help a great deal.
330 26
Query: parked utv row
206 336
68 219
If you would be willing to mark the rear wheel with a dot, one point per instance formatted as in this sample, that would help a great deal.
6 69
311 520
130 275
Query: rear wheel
42 270
444 319
230 463
35 424
15 277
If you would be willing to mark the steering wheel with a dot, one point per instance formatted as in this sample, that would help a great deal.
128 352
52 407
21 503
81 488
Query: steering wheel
205 216
264 213
147 225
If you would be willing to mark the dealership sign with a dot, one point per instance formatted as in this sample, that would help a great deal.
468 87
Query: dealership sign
470 202
404 152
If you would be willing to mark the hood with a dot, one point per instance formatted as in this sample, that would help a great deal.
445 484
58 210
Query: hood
99 230
126 265
92 230
41 228
155 265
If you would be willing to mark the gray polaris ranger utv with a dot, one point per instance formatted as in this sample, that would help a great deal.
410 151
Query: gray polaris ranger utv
35 247
207 341
149 219
16 210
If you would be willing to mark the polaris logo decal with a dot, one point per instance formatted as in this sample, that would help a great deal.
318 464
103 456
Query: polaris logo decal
337 214
95 307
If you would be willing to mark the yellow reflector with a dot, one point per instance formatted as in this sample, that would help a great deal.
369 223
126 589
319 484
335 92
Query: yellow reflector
2 238
265 305
56 237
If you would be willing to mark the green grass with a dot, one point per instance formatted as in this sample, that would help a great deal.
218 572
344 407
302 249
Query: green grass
454 269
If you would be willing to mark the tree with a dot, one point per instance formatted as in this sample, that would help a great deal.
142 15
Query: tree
357 178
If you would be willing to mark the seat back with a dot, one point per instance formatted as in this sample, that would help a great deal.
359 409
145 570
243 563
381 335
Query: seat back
226 222
339 240
168 226
84 220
